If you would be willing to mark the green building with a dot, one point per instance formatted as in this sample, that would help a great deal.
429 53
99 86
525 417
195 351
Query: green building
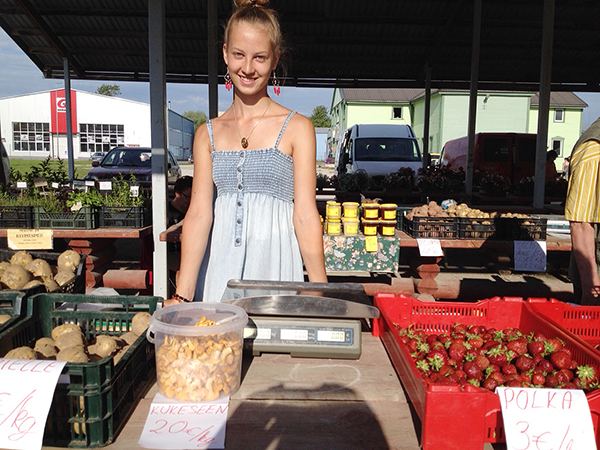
449 113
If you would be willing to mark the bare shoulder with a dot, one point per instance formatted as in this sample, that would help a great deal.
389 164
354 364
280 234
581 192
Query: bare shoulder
301 126
201 138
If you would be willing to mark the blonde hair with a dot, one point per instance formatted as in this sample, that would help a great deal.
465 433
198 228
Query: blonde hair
256 12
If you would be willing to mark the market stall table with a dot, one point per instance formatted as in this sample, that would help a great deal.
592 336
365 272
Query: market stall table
286 402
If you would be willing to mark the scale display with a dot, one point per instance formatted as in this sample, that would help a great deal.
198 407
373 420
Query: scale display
303 337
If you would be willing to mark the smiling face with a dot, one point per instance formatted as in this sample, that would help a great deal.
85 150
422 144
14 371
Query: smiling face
250 57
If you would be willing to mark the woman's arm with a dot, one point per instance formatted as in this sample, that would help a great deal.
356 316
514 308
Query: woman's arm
198 219
307 222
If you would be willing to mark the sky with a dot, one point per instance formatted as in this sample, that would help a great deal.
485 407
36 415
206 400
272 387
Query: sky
18 76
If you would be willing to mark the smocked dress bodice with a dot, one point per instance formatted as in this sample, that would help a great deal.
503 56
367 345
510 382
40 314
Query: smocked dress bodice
253 237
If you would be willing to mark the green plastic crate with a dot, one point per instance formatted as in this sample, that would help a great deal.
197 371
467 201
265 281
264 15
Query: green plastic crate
12 303
86 218
125 216
16 217
94 406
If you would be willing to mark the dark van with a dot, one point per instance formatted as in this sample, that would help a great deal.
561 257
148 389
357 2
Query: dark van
513 154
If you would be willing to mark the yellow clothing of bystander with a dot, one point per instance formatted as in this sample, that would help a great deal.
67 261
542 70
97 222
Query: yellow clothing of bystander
583 195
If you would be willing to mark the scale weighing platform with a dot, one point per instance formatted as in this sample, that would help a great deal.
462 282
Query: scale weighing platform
316 320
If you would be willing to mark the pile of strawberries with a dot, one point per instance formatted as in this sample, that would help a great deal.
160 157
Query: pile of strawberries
489 358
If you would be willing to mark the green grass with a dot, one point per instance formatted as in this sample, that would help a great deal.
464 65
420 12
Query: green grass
24 165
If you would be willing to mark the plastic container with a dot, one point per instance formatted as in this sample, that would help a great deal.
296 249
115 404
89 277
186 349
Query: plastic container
16 216
94 405
370 210
477 228
333 210
86 218
350 226
388 211
334 227
210 355
454 417
431 227
350 209
387 227
125 216
370 227
12 304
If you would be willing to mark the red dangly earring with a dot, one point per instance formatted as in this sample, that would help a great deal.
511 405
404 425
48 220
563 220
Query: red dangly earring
276 87
228 82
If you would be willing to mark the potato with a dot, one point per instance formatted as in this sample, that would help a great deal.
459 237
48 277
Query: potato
120 354
68 261
46 350
4 318
3 266
50 284
71 339
21 353
129 338
39 268
73 354
21 258
64 277
33 283
15 277
104 346
64 328
140 322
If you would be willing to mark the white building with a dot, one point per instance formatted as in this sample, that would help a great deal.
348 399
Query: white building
35 125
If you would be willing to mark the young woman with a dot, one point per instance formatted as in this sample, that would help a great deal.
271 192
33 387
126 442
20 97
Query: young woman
261 158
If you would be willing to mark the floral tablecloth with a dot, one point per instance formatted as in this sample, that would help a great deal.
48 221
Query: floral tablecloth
348 253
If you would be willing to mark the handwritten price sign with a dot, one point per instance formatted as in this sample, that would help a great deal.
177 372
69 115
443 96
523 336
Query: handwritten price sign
540 419
26 391
530 256
172 425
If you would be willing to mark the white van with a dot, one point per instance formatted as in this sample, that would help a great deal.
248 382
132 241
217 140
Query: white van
377 150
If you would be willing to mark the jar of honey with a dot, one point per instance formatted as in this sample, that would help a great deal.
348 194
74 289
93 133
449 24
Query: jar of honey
334 227
350 226
387 227
388 211
370 227
350 209
333 210
370 210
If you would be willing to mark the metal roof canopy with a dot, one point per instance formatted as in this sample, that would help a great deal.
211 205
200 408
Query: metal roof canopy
380 43
504 44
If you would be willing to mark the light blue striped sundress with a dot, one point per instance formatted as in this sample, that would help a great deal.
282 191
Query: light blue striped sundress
253 237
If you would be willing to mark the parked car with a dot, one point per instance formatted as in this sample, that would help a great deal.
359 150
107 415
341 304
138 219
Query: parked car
512 154
131 160
191 158
97 156
377 150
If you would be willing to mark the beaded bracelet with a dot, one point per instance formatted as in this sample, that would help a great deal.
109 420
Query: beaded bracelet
183 299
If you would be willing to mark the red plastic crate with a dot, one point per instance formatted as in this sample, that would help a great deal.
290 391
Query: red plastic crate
453 417
582 321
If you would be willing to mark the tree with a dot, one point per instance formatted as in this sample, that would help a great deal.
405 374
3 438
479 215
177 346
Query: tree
111 90
320 118
198 117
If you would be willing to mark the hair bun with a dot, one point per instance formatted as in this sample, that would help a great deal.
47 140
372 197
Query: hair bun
247 3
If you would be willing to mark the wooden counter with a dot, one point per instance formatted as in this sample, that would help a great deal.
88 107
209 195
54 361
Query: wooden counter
301 403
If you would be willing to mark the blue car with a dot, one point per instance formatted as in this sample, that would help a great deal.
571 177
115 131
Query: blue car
131 160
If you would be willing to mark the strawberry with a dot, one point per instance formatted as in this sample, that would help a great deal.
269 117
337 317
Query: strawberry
564 376
538 379
459 328
475 341
587 373
490 384
554 344
497 355
524 363
509 369
517 345
525 378
535 347
473 371
498 377
445 370
512 333
546 366
436 360
457 351
514 383
482 362
551 380
561 359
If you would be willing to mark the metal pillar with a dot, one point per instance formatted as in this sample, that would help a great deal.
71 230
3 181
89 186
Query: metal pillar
67 77
473 94
158 133
427 113
544 110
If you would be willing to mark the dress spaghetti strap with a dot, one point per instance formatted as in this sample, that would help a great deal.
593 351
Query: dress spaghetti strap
287 120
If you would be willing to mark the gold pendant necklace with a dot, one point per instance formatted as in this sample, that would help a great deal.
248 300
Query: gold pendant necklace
244 140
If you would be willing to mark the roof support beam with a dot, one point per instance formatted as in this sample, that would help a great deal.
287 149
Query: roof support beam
213 60
158 133
544 110
39 22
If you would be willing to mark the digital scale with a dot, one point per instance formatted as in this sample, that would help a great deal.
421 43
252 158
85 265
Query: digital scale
316 320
